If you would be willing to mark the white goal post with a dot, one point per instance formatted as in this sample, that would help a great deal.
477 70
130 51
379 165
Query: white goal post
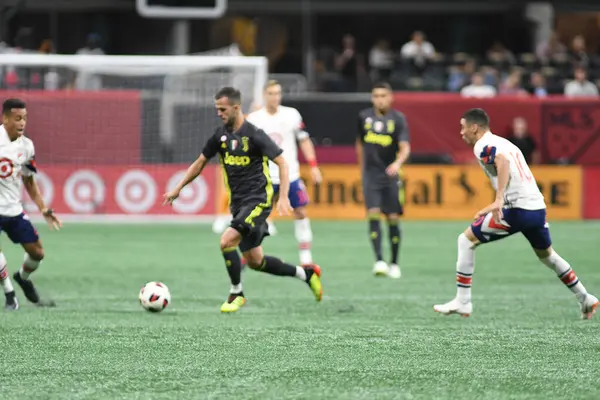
112 133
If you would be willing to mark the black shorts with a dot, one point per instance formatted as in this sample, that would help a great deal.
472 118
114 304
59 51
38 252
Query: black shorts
387 196
250 220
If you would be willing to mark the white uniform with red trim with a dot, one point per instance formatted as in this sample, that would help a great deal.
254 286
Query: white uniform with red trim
285 127
17 159
522 190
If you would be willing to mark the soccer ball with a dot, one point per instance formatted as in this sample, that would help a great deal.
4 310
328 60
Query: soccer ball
155 296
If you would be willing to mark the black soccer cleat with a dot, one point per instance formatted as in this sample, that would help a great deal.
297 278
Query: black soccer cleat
30 293
12 304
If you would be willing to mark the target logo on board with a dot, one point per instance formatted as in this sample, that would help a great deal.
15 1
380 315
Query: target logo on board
136 191
6 168
192 198
84 191
46 189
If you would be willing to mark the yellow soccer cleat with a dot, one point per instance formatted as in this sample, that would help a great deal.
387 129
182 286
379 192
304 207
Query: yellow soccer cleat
313 273
233 303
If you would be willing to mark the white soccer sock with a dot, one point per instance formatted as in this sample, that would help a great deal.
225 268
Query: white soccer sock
300 273
565 274
465 265
29 265
236 288
4 278
304 237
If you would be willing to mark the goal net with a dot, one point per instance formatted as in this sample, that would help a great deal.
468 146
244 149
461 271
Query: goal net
113 133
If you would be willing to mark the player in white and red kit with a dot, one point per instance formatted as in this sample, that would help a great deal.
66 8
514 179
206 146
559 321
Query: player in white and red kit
17 168
519 207
285 126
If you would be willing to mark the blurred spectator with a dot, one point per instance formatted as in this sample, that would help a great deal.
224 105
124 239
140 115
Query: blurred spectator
85 80
500 54
512 85
418 51
348 64
520 137
381 60
550 48
478 88
46 47
580 86
538 85
579 52
460 76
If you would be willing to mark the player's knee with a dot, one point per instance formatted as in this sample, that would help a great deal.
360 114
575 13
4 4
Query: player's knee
36 253
373 213
392 218
300 213
543 254
254 259
467 238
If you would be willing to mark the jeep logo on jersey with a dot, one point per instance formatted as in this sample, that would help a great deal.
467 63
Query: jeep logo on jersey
6 168
239 161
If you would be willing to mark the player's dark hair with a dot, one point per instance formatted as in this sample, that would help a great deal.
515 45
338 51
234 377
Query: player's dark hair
477 116
234 95
382 85
9 104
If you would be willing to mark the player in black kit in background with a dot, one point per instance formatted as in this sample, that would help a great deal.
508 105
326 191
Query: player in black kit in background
244 152
382 148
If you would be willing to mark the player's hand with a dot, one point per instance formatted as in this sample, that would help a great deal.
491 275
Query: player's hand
497 210
316 175
51 219
170 197
393 168
283 206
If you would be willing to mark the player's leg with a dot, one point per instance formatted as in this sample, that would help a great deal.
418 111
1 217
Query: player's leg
373 195
270 223
224 218
9 292
392 208
483 230
299 200
21 231
539 238
252 250
230 239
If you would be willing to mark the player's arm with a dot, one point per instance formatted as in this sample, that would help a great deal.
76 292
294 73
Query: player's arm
490 156
502 165
209 151
359 145
308 150
402 137
270 149
33 190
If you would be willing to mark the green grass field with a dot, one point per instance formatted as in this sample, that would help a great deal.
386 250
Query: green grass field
371 338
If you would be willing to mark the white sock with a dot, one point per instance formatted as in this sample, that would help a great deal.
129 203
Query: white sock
29 265
562 268
236 288
465 265
4 278
304 237
301 273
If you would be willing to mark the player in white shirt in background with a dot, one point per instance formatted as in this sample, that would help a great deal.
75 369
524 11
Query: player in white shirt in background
17 168
285 126
519 207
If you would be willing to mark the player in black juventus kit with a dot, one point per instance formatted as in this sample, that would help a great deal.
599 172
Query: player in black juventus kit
244 152
383 147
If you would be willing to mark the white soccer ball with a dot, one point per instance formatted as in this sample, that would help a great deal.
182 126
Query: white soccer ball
155 296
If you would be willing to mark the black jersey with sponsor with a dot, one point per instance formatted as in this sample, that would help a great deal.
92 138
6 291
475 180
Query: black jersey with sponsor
380 135
244 156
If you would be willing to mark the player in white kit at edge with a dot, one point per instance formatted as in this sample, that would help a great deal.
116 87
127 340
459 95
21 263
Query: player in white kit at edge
519 207
285 126
17 168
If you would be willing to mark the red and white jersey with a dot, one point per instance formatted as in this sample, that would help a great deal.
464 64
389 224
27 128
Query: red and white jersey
17 159
522 190
285 127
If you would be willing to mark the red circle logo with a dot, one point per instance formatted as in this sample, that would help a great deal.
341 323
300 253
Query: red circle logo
6 168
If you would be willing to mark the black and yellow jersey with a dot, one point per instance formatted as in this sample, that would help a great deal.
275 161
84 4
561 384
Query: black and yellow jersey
244 156
380 135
